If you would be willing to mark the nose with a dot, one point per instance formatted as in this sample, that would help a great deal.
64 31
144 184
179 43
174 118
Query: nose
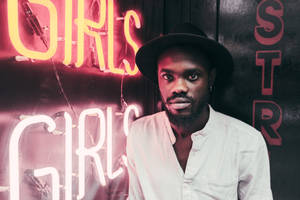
180 86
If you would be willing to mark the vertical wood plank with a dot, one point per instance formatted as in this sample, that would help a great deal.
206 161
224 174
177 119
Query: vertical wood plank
238 20
204 16
176 12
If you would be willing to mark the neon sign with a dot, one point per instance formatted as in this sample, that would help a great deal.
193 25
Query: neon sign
84 27
105 133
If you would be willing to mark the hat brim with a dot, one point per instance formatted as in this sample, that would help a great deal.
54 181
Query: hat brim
147 55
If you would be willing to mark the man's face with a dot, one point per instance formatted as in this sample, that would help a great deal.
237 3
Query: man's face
184 80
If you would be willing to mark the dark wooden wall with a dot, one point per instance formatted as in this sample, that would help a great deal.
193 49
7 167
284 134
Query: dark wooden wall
238 20
29 89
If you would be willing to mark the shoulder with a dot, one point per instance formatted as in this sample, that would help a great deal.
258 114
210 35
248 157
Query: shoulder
247 135
146 126
147 121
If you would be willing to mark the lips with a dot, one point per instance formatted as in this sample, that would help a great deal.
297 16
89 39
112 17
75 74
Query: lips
180 103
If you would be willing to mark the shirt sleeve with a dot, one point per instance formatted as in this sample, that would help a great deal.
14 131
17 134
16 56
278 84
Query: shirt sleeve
135 190
254 178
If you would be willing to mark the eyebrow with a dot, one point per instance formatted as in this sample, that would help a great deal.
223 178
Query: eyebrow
188 71
166 70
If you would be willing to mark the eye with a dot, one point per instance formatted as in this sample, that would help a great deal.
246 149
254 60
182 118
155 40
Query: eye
193 76
166 76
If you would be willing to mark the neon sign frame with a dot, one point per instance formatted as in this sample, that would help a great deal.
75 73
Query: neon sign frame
105 132
84 26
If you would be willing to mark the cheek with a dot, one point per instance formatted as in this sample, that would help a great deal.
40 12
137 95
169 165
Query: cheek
163 92
166 93
199 90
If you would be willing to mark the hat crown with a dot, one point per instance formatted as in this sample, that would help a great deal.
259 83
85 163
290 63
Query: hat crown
188 28
185 34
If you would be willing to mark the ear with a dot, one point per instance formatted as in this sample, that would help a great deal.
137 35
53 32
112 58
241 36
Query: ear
212 76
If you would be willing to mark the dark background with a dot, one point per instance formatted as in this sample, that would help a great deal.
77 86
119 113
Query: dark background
32 88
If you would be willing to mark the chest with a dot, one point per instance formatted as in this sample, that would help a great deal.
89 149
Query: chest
208 169
205 159
182 148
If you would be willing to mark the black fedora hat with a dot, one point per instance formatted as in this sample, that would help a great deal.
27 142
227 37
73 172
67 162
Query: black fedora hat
185 34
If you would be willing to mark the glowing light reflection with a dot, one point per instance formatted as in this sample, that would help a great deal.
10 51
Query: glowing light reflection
14 150
82 151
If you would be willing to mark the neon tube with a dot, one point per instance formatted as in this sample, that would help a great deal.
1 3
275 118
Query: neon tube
14 150
126 117
14 33
129 39
82 152
110 174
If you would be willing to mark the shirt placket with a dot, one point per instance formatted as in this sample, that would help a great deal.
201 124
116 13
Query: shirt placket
192 168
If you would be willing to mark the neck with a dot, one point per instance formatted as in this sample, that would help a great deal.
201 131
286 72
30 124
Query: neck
191 126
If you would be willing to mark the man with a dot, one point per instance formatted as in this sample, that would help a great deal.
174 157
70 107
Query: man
190 151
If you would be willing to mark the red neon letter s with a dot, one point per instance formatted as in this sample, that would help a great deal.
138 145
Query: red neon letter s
270 26
13 29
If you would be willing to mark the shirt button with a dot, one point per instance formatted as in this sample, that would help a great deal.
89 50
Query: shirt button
194 150
187 180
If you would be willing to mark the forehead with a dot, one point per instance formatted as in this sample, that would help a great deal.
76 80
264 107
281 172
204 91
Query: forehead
183 57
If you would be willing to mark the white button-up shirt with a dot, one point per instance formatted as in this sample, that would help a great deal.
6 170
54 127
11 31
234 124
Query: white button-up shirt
228 161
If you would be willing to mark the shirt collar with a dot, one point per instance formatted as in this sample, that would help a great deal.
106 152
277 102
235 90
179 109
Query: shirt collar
209 124
203 132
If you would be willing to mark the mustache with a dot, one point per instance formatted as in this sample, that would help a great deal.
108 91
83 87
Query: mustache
180 95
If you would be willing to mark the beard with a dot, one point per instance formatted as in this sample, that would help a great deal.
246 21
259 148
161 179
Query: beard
185 121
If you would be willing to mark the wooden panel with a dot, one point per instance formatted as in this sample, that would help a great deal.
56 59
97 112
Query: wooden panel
152 16
238 20
176 12
204 15
200 13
